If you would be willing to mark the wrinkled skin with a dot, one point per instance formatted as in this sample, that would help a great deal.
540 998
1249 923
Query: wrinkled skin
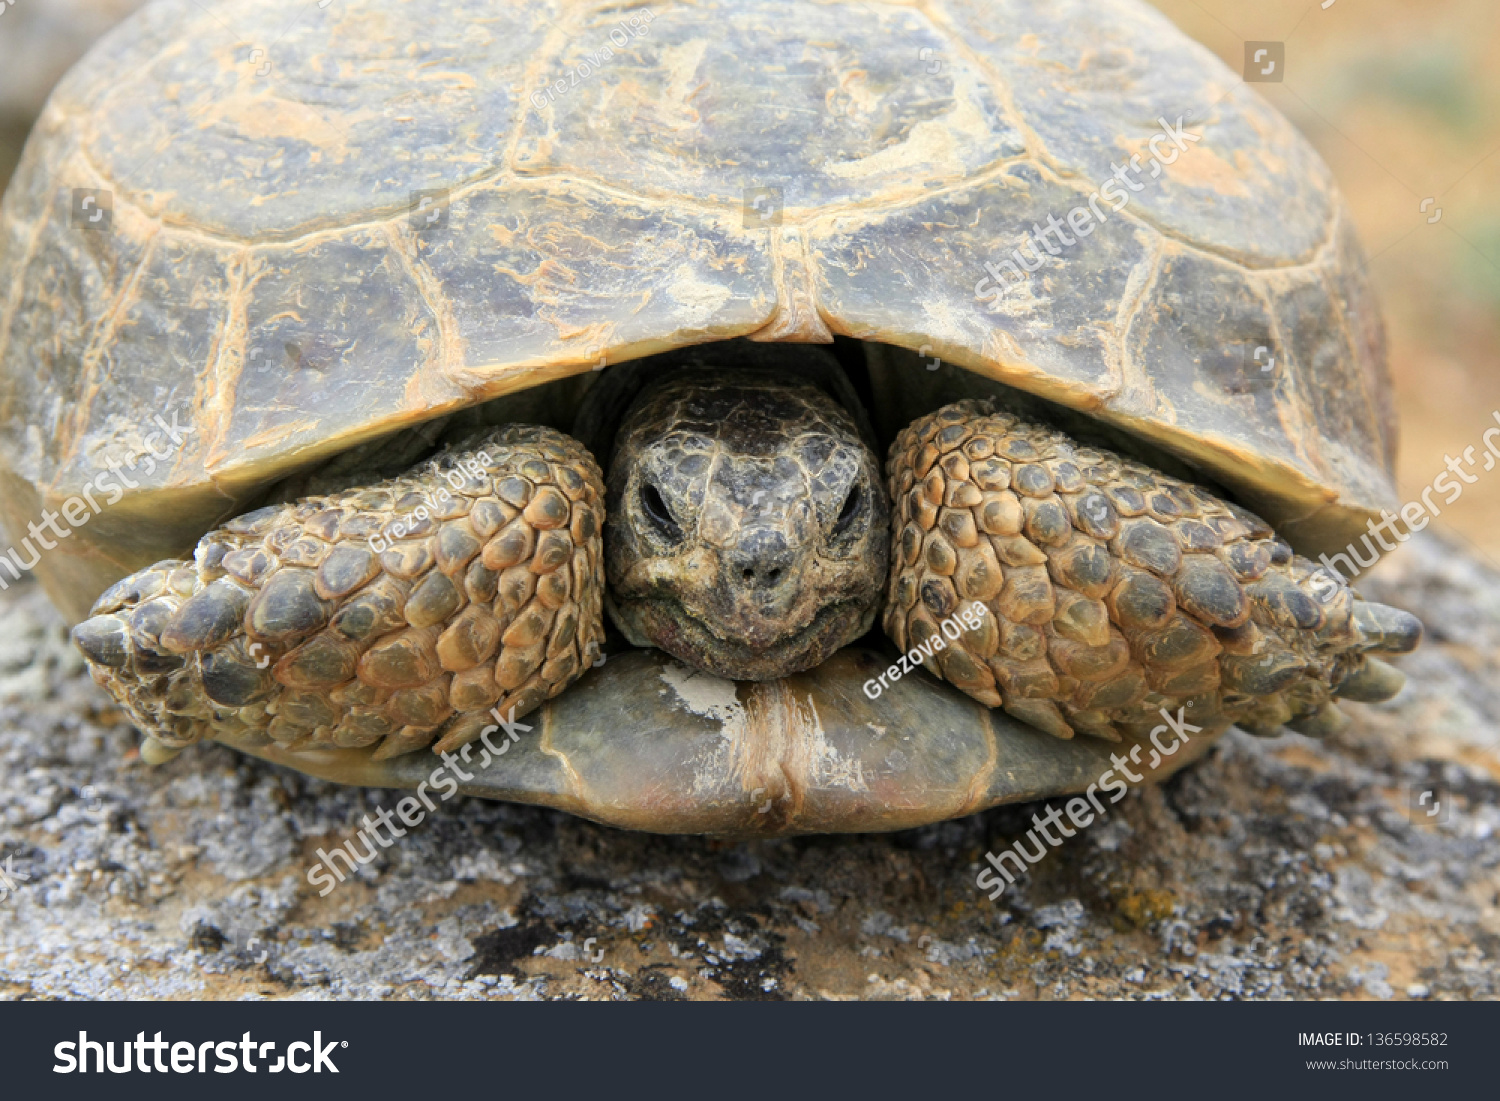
747 529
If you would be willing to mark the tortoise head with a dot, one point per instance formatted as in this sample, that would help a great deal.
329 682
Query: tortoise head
748 530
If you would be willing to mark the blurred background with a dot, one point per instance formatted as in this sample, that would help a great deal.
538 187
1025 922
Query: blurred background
1401 97
39 40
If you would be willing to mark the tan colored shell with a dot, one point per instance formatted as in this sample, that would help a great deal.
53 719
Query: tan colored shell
611 182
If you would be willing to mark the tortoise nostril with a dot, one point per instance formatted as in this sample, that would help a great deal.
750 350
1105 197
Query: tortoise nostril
760 562
760 574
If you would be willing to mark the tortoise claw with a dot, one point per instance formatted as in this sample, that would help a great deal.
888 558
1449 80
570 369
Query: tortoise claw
104 640
156 752
1387 629
1372 682
1325 722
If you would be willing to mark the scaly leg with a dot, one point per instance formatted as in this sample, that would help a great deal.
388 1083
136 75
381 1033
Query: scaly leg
1110 591
394 615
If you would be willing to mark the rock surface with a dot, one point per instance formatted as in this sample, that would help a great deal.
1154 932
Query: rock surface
1282 868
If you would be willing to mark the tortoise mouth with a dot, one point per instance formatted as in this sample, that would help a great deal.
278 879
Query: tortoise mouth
696 641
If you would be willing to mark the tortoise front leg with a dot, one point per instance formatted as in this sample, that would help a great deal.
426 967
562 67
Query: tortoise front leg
384 618
1081 591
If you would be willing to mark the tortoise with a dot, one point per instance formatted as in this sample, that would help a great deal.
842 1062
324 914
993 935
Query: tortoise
522 371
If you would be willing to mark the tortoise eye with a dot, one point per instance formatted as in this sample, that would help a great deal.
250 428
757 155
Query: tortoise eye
657 512
848 512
